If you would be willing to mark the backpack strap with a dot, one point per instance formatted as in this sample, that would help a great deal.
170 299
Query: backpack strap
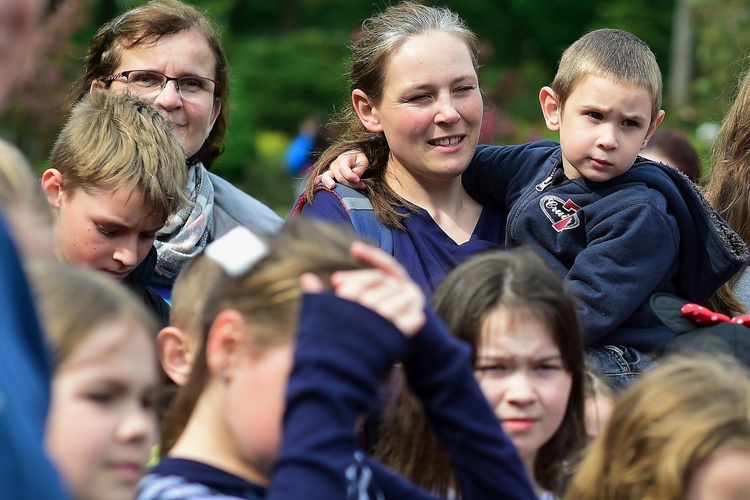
361 214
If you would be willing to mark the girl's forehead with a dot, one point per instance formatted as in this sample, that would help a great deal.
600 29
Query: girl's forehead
516 332
110 340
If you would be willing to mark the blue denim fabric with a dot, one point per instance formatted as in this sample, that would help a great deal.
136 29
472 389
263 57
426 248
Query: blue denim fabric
619 365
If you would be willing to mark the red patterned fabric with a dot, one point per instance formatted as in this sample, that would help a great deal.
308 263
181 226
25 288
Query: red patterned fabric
702 316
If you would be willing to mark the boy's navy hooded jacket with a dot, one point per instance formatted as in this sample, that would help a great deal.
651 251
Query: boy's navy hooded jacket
616 242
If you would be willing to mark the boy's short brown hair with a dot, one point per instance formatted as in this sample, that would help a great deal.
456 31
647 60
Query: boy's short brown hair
609 53
121 139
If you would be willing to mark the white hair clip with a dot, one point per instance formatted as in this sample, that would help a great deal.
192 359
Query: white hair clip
237 251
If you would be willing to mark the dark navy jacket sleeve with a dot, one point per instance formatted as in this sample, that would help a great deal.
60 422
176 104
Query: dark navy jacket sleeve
25 470
485 179
498 176
343 352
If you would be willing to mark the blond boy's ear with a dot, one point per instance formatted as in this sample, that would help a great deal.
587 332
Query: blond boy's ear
654 126
550 108
52 185
366 111
225 343
175 354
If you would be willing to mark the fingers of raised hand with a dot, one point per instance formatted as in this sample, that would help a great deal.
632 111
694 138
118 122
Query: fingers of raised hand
398 300
348 168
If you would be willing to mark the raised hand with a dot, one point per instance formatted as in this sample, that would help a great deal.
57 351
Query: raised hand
385 288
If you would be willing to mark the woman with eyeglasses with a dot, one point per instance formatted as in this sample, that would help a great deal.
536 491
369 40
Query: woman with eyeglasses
170 52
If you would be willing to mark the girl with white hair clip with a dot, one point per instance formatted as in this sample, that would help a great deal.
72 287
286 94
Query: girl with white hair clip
299 336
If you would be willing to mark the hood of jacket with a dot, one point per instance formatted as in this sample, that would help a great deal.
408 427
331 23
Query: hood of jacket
711 252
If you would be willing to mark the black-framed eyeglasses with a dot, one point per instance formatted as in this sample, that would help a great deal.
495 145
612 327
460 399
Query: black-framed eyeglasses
151 83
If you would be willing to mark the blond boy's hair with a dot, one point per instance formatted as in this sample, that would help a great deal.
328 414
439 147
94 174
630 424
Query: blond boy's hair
613 54
114 141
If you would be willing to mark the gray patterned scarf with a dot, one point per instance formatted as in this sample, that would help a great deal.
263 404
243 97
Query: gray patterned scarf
185 233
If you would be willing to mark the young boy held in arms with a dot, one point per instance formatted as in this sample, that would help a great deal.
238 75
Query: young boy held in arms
619 227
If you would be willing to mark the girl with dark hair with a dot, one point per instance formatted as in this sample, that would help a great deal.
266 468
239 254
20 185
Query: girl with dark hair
520 322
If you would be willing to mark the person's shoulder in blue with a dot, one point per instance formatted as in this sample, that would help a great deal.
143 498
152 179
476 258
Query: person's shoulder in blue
25 372
180 479
25 469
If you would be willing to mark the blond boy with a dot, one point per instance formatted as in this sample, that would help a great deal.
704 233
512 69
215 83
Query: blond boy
117 171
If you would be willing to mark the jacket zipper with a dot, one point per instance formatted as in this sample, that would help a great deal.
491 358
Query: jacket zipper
546 182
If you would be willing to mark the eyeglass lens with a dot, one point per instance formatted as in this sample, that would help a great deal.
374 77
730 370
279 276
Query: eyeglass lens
151 84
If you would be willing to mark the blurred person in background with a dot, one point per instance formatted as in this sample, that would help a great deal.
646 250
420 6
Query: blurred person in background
673 149
25 470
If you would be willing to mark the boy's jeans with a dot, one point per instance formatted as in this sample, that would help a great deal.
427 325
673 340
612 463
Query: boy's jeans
619 365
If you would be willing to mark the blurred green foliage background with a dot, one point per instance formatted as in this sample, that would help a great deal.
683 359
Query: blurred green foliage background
288 59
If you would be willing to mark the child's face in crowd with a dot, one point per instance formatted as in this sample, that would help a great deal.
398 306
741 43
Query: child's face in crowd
185 53
255 392
431 107
102 421
521 373
603 126
723 477
598 410
109 230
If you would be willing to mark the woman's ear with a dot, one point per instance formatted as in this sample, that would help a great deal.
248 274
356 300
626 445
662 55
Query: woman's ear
175 354
226 341
97 84
366 111
550 108
52 186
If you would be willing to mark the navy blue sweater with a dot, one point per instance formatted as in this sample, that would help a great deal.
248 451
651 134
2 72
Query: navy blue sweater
427 253
343 352
617 242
